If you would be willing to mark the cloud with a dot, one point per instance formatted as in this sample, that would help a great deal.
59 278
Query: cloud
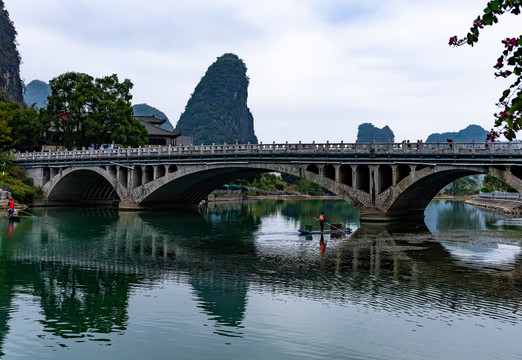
318 69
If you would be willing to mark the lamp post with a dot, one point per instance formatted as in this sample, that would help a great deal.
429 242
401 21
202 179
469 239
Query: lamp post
3 177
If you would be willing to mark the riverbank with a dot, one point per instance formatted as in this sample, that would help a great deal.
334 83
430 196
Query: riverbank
505 206
454 197
236 197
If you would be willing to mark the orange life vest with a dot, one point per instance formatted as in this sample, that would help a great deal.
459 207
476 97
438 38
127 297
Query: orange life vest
321 217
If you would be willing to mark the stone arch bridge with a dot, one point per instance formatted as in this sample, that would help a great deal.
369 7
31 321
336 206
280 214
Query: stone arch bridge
384 182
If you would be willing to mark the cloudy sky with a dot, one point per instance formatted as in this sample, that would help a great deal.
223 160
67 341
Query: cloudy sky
317 68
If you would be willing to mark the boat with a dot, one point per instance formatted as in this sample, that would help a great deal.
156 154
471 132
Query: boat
12 217
311 232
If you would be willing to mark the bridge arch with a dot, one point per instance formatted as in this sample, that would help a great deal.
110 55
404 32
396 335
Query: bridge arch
82 185
412 194
329 171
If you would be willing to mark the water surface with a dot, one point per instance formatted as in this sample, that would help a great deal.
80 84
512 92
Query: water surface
236 281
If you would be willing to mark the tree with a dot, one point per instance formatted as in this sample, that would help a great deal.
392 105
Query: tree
84 111
7 111
20 129
508 119
490 184
27 129
463 186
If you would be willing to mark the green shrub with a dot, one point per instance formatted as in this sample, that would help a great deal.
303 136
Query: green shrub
22 194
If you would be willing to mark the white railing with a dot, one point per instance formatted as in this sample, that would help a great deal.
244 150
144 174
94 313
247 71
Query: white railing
320 148
501 195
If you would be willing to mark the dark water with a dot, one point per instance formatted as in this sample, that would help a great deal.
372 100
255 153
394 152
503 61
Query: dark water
236 281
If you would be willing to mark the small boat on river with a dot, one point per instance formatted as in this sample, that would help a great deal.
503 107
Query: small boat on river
12 217
318 232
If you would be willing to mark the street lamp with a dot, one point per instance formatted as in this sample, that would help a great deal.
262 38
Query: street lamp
3 177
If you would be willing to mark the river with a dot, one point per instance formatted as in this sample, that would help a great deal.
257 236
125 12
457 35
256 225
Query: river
236 281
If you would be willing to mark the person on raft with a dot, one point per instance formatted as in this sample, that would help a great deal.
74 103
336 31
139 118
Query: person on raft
10 208
322 220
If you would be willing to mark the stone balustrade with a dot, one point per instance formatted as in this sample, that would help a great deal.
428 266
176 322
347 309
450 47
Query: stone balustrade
501 195
296 148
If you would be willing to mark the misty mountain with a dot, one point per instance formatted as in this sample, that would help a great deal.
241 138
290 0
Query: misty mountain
471 133
368 132
36 93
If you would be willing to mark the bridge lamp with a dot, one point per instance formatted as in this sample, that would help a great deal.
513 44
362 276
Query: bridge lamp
3 177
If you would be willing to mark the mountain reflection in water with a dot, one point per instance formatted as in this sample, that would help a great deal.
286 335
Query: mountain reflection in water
83 266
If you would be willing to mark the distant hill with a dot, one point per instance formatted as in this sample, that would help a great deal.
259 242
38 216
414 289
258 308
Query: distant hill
36 92
147 110
217 111
10 82
469 134
368 132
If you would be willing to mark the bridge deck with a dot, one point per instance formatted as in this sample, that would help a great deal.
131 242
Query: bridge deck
436 153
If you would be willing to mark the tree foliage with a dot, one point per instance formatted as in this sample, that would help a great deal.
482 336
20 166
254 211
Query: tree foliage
20 129
7 111
509 65
84 111
464 186
490 184
21 187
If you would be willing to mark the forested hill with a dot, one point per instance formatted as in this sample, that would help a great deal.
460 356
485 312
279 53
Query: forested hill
469 134
217 111
10 83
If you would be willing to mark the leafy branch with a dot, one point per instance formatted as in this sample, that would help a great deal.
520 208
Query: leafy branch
509 65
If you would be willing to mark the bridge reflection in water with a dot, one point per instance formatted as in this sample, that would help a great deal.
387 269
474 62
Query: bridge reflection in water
83 275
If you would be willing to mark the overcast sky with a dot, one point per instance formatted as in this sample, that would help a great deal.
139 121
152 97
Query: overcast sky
317 68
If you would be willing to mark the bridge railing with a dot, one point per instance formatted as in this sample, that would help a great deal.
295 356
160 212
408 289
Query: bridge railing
321 148
501 195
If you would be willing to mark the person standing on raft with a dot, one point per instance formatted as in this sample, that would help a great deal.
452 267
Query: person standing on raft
10 208
322 220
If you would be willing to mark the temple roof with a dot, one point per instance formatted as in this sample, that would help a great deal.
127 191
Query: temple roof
151 119
154 130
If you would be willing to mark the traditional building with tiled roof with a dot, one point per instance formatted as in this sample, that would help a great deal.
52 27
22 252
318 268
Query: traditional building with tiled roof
159 136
